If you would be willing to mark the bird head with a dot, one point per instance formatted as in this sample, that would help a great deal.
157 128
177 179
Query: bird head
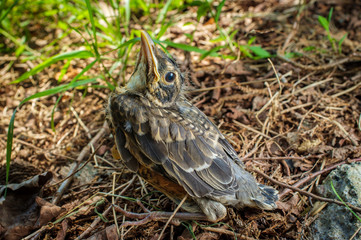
156 75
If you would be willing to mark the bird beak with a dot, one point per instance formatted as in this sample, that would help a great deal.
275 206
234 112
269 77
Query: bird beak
148 50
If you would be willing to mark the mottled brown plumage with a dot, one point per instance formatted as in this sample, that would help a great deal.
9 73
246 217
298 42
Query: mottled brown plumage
172 145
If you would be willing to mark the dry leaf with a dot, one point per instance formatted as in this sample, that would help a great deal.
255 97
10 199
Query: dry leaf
22 210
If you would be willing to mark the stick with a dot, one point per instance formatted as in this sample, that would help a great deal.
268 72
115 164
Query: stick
307 193
79 159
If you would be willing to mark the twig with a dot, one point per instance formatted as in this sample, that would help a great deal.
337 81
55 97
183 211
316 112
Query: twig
275 96
158 216
354 235
347 90
306 114
250 153
113 203
297 107
236 84
276 73
41 149
209 88
339 126
295 26
80 158
36 234
310 177
316 68
105 213
79 169
251 129
81 122
94 224
227 232
278 158
171 217
307 193
286 96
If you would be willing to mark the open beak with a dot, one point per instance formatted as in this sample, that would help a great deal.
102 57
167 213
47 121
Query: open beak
148 50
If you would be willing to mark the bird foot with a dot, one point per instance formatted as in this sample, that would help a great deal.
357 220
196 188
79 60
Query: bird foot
150 216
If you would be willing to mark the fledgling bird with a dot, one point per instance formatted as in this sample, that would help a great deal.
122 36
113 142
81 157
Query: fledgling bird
173 146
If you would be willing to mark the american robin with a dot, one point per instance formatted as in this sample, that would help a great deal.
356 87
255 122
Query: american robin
173 146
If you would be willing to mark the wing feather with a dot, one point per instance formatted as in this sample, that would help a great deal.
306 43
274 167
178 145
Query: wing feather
183 142
124 153
190 181
199 164
155 151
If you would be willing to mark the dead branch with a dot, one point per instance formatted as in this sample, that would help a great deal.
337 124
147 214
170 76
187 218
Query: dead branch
307 193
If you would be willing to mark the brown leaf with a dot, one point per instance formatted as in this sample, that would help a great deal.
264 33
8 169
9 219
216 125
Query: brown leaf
111 232
48 211
19 211
290 205
62 233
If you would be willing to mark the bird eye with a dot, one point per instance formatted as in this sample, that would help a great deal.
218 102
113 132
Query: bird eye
169 77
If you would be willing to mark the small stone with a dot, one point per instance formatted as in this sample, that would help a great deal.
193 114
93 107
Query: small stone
335 221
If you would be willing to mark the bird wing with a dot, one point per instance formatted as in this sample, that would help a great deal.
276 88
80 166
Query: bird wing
182 141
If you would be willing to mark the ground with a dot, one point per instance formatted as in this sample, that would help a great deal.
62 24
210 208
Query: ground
284 89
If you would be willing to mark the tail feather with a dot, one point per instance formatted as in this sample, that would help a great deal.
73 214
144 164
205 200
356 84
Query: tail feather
270 197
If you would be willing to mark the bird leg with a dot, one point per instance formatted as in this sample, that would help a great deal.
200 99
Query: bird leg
149 216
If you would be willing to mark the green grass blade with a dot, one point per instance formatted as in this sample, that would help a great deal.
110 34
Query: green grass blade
2 6
53 112
127 43
9 146
188 226
90 11
203 9
84 70
164 11
251 40
188 48
338 196
219 8
330 15
323 21
51 60
63 70
127 13
164 28
7 10
18 43
245 51
341 41
47 92
213 50
190 36
260 52
57 89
